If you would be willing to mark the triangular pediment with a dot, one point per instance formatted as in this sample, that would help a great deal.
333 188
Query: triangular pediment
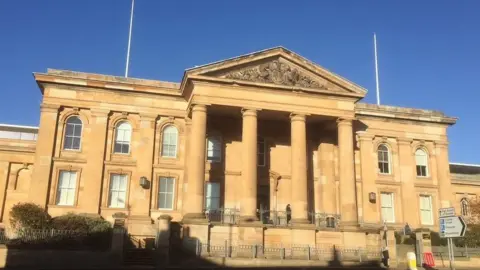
278 67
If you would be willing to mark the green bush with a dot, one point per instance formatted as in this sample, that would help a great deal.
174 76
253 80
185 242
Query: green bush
79 223
29 216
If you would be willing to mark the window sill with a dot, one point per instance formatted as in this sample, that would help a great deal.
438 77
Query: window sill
123 162
113 208
384 176
157 210
424 177
61 206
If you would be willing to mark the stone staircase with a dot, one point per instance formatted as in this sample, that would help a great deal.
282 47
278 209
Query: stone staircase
139 257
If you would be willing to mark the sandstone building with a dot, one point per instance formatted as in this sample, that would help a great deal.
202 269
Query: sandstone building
267 139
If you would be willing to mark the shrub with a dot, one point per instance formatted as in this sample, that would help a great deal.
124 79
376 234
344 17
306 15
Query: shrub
29 216
79 223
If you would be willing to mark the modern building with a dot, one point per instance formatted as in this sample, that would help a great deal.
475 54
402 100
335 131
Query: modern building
264 140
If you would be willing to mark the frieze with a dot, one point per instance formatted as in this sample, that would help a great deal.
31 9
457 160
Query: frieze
275 72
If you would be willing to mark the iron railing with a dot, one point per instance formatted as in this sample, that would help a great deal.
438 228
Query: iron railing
222 215
287 252
325 220
275 218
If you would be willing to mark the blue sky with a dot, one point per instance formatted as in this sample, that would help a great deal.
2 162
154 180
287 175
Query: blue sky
428 50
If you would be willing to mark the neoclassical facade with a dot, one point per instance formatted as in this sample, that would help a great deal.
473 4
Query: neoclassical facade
265 139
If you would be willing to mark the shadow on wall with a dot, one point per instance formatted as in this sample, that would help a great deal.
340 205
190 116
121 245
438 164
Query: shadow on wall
185 257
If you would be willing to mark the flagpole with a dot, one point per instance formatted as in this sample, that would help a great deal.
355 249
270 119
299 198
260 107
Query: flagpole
376 68
129 39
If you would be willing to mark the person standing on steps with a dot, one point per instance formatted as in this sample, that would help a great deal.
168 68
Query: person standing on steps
385 256
289 213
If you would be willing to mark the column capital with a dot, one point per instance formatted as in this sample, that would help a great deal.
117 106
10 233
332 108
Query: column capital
344 121
404 141
364 136
99 112
441 144
148 116
249 112
199 108
44 107
297 117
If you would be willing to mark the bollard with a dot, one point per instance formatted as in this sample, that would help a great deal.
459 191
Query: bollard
282 253
411 261
308 253
359 254
254 251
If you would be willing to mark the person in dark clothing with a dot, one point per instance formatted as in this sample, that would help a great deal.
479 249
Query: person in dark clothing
385 256
289 213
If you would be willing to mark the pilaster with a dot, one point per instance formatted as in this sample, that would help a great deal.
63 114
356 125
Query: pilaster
368 176
407 178
43 155
443 173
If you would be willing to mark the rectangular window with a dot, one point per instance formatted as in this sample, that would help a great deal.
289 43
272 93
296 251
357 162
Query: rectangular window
214 149
261 152
67 183
426 209
421 170
383 164
212 196
388 209
117 191
165 193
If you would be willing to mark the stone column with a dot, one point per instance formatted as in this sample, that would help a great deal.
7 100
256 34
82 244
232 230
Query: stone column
443 175
249 165
299 168
348 207
407 177
368 175
43 155
95 157
196 163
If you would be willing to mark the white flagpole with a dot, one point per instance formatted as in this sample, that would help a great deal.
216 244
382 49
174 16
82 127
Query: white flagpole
376 68
129 40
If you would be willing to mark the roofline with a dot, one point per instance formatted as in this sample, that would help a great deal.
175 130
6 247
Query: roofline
18 126
465 164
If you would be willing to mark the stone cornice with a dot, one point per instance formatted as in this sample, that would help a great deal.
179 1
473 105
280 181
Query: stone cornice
400 113
66 77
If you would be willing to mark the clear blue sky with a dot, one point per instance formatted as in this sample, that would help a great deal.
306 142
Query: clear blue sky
429 51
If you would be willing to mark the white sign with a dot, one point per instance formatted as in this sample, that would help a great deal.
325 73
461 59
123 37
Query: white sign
452 227
446 212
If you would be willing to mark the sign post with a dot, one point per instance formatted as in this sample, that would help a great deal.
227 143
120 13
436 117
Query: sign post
451 226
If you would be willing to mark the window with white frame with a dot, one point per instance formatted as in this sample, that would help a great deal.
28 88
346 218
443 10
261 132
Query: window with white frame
426 212
421 159
166 190
388 209
117 191
214 149
73 133
212 196
169 142
261 150
123 137
383 159
464 207
67 184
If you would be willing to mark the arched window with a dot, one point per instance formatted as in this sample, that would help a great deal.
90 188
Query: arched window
123 137
421 159
73 134
169 142
464 207
383 159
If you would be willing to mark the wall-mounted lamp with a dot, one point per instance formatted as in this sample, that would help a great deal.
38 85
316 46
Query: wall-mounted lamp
372 197
144 183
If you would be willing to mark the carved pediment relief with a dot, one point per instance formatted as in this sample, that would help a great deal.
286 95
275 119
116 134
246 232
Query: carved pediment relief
278 66
276 72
